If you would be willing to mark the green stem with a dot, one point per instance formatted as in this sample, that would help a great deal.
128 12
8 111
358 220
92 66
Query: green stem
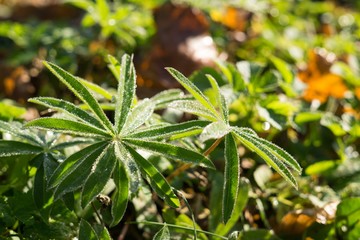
178 227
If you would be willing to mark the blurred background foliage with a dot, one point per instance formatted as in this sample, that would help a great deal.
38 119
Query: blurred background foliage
288 69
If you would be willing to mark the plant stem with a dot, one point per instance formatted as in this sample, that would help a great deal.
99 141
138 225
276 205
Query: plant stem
97 214
186 166
178 227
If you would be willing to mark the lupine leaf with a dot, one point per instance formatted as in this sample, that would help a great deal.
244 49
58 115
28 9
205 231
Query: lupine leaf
67 107
67 126
18 132
231 177
184 129
97 89
104 234
219 98
14 148
138 116
72 173
193 107
120 197
40 194
126 92
162 234
100 174
86 231
162 99
114 67
214 130
156 179
191 88
281 154
254 145
81 92
171 151
70 143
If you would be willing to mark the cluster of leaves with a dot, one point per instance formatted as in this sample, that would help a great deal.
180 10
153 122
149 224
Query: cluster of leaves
112 147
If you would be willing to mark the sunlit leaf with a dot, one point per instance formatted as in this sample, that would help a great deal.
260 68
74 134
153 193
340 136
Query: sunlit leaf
81 92
193 107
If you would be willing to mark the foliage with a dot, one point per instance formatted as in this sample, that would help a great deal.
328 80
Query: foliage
205 164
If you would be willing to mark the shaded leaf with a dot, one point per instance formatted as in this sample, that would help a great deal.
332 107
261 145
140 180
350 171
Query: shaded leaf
86 231
14 148
15 130
100 174
162 234
156 179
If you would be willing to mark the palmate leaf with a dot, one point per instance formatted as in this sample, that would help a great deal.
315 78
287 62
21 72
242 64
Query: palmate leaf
15 148
67 107
162 99
100 174
172 131
97 89
68 127
155 178
191 88
15 130
126 92
81 92
254 144
231 177
219 99
171 151
214 130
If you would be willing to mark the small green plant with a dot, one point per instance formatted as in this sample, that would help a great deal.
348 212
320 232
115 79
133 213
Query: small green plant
111 148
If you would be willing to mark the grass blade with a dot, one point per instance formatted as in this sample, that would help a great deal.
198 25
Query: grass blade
100 174
254 145
173 131
191 88
126 92
138 116
155 178
67 126
231 177
67 107
121 194
81 92
15 148
171 151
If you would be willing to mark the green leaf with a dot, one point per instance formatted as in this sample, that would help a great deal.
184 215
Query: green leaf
348 218
126 92
279 153
257 146
219 99
67 126
40 194
231 177
72 173
193 107
14 148
283 68
321 167
104 234
214 130
103 12
241 200
86 231
15 130
100 174
70 143
81 92
162 234
174 131
171 151
156 179
97 89
138 116
191 88
120 197
162 99
68 108
114 67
